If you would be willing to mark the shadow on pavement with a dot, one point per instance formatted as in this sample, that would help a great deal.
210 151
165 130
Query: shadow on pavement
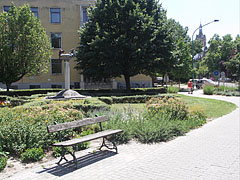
68 167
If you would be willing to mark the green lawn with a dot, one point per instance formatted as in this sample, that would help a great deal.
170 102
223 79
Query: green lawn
212 108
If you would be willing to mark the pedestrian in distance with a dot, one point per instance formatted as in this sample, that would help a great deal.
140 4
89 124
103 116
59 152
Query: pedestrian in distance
190 87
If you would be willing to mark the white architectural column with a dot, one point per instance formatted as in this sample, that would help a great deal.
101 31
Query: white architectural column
114 84
67 73
82 85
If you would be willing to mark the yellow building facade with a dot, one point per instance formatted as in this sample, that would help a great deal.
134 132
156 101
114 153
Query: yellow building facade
62 19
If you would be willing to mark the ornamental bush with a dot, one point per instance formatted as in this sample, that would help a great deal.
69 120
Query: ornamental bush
162 120
32 155
22 128
172 89
208 89
3 162
171 106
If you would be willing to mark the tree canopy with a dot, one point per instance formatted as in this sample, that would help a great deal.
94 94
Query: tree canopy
222 55
181 55
124 38
25 48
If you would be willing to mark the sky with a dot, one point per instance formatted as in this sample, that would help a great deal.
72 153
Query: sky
191 13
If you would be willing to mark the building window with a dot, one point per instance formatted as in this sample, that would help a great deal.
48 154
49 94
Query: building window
55 15
56 39
85 15
35 11
56 66
6 8
56 86
34 87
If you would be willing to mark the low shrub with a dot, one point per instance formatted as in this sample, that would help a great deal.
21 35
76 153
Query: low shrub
158 123
130 99
172 89
107 100
32 155
171 106
13 101
208 89
227 91
25 128
56 151
3 162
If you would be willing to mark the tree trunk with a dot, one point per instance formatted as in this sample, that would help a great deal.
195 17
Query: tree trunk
8 86
152 81
127 81
179 83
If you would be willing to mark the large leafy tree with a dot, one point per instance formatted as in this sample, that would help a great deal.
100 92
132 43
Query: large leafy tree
124 38
233 65
24 46
219 53
182 67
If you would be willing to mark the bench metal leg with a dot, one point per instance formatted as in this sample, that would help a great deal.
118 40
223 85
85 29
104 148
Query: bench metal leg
73 155
62 155
104 144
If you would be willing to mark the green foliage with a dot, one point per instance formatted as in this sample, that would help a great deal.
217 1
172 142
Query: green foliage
29 94
3 158
91 105
13 101
156 124
124 38
208 89
57 150
171 106
227 91
25 46
32 155
181 54
25 127
107 100
130 99
222 55
3 162
172 89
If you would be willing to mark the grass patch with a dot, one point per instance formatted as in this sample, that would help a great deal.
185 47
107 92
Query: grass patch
213 108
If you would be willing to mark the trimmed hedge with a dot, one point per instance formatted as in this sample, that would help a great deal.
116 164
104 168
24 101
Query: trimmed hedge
88 92
130 99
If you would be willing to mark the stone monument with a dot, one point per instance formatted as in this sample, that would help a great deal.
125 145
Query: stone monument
67 93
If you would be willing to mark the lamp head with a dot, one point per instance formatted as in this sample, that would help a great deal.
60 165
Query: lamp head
216 20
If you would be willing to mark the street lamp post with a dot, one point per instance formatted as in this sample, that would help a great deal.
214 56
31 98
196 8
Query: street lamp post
216 20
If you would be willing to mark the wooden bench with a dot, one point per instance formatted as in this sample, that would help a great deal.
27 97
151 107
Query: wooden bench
75 142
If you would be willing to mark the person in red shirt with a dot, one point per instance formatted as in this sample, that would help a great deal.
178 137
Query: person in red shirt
190 88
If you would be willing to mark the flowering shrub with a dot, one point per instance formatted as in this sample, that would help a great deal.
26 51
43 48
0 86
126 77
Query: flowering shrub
4 103
24 128
171 106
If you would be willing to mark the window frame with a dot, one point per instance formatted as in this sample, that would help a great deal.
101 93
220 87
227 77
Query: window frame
54 13
36 13
51 38
83 8
56 63
6 10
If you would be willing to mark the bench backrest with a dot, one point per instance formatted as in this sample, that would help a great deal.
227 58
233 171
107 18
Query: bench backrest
74 124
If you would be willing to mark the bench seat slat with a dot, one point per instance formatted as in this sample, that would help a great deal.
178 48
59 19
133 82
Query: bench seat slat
88 137
74 124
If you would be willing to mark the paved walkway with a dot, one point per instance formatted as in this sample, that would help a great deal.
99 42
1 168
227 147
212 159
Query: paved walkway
210 152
